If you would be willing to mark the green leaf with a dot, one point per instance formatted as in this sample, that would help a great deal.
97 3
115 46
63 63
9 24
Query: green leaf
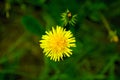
32 25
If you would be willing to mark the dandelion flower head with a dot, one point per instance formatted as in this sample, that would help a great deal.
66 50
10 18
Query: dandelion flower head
56 43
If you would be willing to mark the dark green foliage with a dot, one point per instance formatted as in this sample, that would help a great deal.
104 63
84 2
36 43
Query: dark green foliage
32 25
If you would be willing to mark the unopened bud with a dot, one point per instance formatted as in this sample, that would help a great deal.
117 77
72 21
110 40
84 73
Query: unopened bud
113 36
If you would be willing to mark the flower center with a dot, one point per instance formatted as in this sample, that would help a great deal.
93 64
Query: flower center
59 44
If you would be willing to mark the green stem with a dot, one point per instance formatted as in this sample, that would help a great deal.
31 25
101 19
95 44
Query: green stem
109 64
105 22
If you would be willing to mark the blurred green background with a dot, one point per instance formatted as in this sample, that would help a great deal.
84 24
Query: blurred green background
23 22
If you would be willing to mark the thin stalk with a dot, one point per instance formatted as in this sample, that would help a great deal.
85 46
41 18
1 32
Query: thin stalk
105 22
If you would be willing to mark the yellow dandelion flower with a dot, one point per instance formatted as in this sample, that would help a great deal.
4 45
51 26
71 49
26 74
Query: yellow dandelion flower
57 42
